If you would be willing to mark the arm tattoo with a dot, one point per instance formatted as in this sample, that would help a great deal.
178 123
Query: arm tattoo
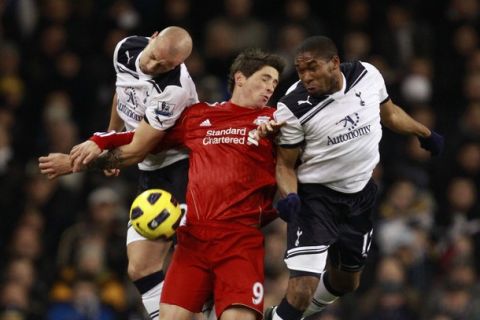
109 160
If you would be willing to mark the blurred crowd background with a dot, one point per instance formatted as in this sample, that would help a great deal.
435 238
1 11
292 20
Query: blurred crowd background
62 242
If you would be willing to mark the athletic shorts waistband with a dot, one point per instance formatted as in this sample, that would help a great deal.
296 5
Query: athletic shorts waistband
312 187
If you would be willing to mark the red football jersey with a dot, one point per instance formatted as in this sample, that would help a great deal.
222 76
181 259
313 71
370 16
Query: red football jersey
230 178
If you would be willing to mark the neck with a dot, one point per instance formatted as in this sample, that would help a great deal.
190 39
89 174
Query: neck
240 101
140 63
338 82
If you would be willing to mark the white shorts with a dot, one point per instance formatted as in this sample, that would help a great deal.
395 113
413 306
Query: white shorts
309 259
133 235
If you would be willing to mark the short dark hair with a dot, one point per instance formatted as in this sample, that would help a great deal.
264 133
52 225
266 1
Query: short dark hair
319 45
250 61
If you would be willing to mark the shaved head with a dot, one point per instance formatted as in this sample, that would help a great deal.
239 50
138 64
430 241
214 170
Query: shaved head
175 42
166 50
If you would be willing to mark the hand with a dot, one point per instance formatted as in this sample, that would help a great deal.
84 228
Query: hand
111 172
83 153
55 165
434 143
268 128
289 206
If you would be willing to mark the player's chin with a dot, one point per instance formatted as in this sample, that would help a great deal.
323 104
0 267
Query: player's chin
262 102
313 90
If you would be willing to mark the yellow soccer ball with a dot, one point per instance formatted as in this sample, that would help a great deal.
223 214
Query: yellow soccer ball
155 214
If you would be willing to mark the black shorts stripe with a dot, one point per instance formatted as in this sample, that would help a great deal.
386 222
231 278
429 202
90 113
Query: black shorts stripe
154 314
305 252
318 303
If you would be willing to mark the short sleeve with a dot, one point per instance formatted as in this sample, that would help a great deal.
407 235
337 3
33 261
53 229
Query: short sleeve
166 108
291 134
379 82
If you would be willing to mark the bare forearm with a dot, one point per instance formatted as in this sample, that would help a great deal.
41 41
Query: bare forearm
286 180
115 159
285 170
399 121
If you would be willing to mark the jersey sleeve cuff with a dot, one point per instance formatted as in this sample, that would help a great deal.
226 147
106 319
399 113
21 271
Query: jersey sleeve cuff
290 145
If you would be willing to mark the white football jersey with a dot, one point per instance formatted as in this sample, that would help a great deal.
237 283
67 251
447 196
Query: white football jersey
160 100
339 134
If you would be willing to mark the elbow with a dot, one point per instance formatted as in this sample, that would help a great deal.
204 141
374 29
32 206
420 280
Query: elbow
140 156
136 157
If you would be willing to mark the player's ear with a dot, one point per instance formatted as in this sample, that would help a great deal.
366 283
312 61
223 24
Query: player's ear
239 78
335 62
153 36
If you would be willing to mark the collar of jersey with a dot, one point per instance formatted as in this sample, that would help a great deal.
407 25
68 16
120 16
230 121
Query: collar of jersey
230 104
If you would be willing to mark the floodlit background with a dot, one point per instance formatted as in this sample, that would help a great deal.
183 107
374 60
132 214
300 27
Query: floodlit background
63 241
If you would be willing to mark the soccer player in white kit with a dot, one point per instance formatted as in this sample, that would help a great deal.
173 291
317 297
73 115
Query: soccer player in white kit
153 87
333 128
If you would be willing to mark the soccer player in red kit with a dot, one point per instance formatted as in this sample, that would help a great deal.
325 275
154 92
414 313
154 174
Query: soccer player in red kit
229 196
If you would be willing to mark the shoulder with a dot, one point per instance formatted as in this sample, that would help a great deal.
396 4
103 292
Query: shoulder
295 93
133 43
355 71
297 100
196 110
128 49
175 78
201 107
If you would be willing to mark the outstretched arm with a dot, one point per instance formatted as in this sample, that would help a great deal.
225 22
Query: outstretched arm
87 151
55 165
396 119
144 140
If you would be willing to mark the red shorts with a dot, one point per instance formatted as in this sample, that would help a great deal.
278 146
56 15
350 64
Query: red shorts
226 261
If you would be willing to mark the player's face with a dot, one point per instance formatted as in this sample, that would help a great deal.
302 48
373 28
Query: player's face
259 86
155 59
319 75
